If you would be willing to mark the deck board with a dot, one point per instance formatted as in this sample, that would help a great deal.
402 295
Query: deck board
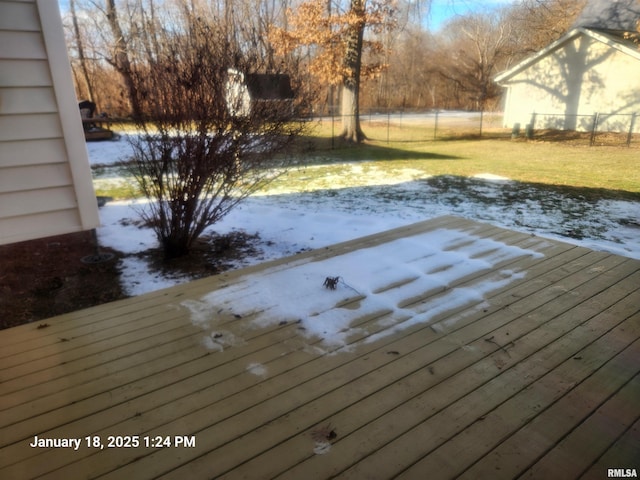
521 380
617 455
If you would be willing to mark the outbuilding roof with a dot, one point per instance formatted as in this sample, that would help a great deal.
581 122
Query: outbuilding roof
263 86
612 38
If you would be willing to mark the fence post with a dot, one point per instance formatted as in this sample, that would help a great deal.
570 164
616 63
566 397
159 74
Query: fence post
435 126
333 129
529 128
594 128
633 124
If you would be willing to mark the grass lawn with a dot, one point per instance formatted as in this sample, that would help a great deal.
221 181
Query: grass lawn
388 157
612 168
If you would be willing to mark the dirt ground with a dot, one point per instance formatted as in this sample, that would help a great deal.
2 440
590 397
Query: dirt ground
46 277
43 278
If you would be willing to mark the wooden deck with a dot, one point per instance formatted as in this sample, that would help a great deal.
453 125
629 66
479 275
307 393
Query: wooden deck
526 367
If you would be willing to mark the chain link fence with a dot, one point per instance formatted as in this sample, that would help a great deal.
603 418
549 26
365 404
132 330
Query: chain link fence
614 129
419 126
599 129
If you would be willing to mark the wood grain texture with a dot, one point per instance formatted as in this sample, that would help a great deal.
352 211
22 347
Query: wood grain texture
539 379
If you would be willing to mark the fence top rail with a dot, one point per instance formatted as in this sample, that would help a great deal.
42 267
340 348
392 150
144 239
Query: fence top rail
586 115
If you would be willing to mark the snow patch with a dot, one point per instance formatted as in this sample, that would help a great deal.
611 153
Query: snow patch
257 369
491 177
379 284
322 447
219 340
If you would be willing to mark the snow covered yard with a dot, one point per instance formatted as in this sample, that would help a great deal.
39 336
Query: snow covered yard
361 201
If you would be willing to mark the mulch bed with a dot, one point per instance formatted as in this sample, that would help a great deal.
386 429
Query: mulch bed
46 277
43 278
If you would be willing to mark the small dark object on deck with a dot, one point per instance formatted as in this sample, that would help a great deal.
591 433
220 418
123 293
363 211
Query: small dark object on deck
323 434
331 283
42 325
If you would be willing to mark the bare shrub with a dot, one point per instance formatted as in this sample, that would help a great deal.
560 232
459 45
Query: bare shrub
195 160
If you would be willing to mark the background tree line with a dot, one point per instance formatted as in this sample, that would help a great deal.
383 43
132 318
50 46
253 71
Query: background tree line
453 68
406 66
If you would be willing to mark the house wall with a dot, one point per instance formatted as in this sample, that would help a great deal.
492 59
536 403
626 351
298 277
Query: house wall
45 178
566 87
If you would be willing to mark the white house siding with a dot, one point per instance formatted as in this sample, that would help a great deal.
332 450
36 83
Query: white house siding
570 83
45 179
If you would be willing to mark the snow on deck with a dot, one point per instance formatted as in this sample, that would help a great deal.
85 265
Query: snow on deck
386 277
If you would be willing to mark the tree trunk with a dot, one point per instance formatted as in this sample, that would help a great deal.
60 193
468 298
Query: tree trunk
121 60
351 129
175 248
81 56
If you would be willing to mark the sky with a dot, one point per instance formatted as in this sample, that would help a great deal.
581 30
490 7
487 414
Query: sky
443 10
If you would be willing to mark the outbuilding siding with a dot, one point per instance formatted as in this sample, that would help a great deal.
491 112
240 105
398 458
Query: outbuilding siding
582 74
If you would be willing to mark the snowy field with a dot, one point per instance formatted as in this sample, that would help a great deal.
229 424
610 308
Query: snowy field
290 222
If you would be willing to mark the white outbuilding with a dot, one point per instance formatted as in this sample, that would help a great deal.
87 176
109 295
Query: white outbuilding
589 75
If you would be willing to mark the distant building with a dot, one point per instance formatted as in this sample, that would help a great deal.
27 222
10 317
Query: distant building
45 178
246 90
593 69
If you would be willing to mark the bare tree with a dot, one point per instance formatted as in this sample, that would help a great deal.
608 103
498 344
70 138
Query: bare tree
479 46
411 79
537 23
635 36
120 56
82 60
